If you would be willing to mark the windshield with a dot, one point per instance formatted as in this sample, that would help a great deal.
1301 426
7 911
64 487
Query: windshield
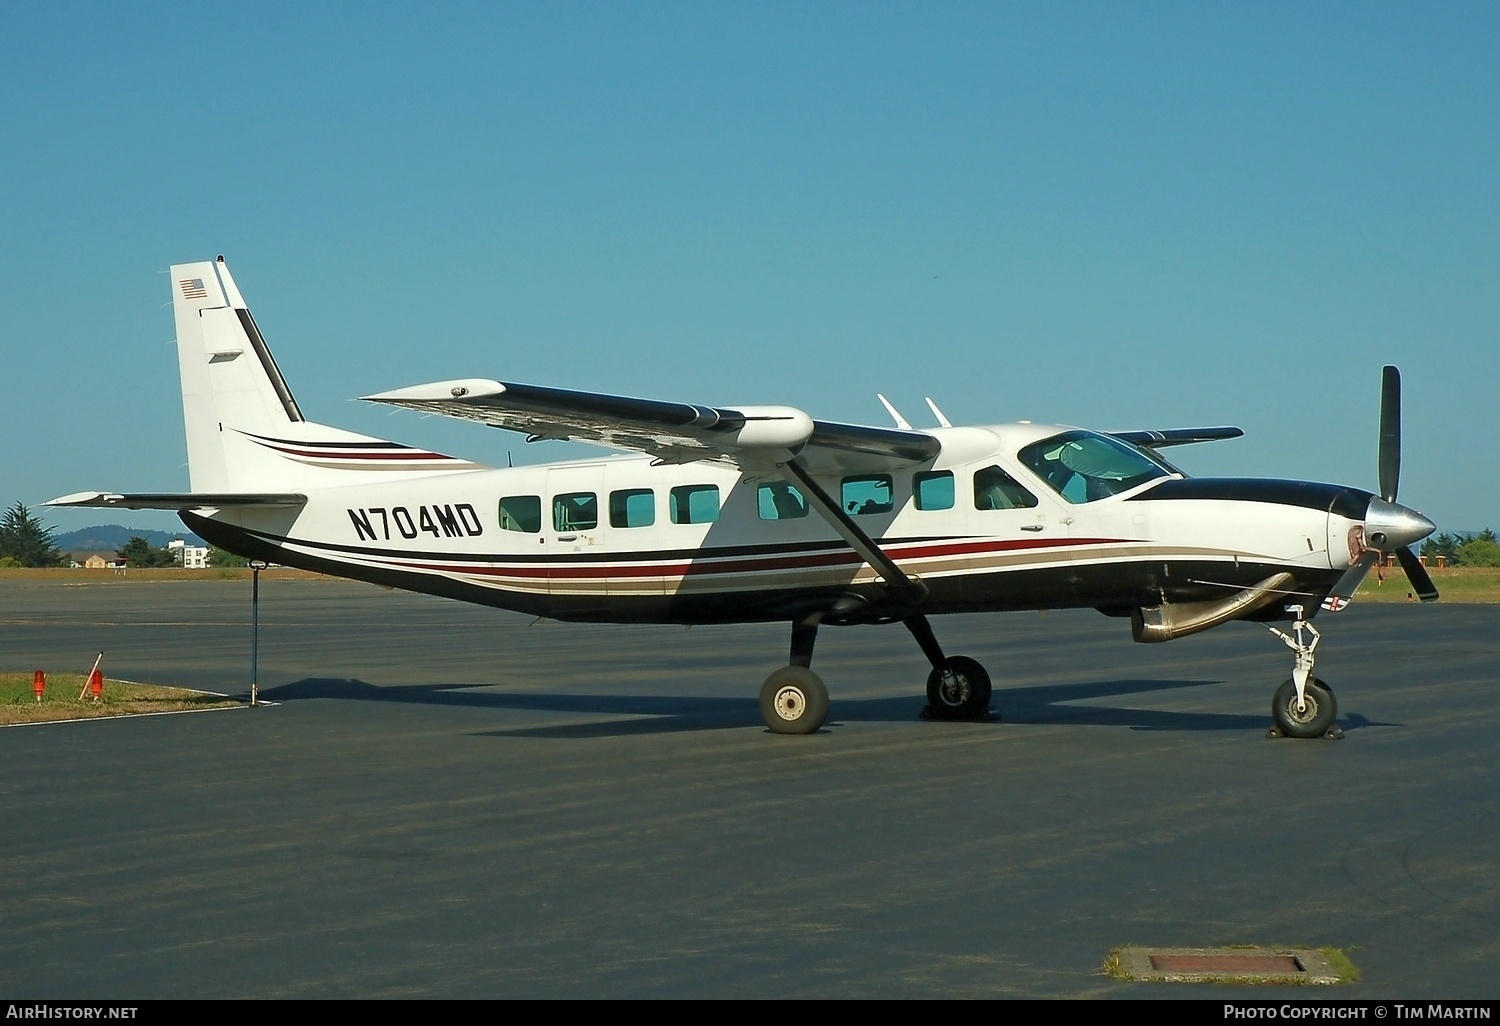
1082 466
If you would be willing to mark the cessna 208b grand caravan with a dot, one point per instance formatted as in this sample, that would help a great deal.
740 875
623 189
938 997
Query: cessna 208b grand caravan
761 513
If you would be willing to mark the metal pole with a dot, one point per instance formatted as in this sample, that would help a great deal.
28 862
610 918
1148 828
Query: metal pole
255 569
254 628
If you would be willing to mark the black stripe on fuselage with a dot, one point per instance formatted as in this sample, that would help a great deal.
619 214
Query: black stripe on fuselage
331 445
1346 502
1113 585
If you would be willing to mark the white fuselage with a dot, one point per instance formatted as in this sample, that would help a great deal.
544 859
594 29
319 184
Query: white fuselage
703 542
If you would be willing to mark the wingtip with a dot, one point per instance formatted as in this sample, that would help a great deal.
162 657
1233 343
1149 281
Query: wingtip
84 499
438 391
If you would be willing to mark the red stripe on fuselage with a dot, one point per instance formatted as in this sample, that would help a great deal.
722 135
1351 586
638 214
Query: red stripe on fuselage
563 570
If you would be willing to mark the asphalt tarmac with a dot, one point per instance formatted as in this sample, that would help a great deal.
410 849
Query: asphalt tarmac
447 801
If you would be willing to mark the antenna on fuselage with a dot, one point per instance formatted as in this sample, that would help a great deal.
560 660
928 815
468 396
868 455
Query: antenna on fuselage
942 420
900 420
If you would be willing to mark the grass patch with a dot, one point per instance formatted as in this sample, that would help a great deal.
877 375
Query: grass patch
1457 584
121 698
1347 970
138 574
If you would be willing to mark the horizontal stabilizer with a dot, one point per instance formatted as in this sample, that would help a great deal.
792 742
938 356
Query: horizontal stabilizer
179 500
1177 436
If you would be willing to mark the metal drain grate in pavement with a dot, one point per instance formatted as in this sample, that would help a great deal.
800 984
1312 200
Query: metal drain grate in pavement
1223 965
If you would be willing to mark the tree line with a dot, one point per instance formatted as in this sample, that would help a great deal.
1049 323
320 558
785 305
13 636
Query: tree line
1473 549
26 541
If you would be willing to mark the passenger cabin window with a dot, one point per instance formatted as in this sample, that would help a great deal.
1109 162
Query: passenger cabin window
995 489
933 489
780 501
694 504
635 507
576 511
1082 466
521 513
868 494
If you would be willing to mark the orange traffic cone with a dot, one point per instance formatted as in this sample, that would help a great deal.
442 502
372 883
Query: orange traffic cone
38 684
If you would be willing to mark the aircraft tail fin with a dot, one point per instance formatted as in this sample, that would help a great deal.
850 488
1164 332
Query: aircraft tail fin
245 431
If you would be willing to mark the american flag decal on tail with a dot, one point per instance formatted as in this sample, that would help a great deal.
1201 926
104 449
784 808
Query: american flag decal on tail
192 288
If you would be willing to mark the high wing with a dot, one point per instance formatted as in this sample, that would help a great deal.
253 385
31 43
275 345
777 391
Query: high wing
178 500
753 437
1177 436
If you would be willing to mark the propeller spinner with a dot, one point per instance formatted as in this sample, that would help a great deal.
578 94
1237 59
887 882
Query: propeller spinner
1389 526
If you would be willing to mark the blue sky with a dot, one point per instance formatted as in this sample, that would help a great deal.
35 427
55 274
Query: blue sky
1112 215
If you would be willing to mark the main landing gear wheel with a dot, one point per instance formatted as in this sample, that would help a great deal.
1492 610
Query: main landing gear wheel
959 690
1314 719
793 700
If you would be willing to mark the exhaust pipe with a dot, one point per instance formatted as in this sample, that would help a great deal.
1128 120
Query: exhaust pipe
1179 619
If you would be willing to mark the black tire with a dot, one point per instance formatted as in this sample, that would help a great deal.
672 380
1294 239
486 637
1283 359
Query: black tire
793 700
962 693
1314 721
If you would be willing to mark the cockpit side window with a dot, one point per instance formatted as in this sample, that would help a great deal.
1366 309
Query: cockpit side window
1082 466
995 489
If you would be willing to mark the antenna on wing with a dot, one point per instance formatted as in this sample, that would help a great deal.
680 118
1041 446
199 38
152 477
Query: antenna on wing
944 421
900 420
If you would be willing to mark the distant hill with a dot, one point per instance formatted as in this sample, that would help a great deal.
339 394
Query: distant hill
112 538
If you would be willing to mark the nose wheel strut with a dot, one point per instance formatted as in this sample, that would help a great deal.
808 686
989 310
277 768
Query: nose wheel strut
1303 705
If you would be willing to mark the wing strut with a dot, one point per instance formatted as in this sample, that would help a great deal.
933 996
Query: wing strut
904 587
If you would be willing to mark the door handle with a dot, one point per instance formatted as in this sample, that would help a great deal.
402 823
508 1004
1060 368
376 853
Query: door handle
1031 527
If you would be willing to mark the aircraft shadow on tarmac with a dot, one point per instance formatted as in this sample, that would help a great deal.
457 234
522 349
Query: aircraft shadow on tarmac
659 714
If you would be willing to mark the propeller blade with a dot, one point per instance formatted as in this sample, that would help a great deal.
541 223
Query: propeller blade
1421 581
1390 432
1349 583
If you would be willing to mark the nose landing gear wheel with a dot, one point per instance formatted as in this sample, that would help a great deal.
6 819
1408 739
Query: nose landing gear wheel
960 690
1314 719
793 700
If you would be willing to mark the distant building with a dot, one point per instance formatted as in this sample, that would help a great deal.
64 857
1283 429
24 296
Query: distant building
190 557
96 561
